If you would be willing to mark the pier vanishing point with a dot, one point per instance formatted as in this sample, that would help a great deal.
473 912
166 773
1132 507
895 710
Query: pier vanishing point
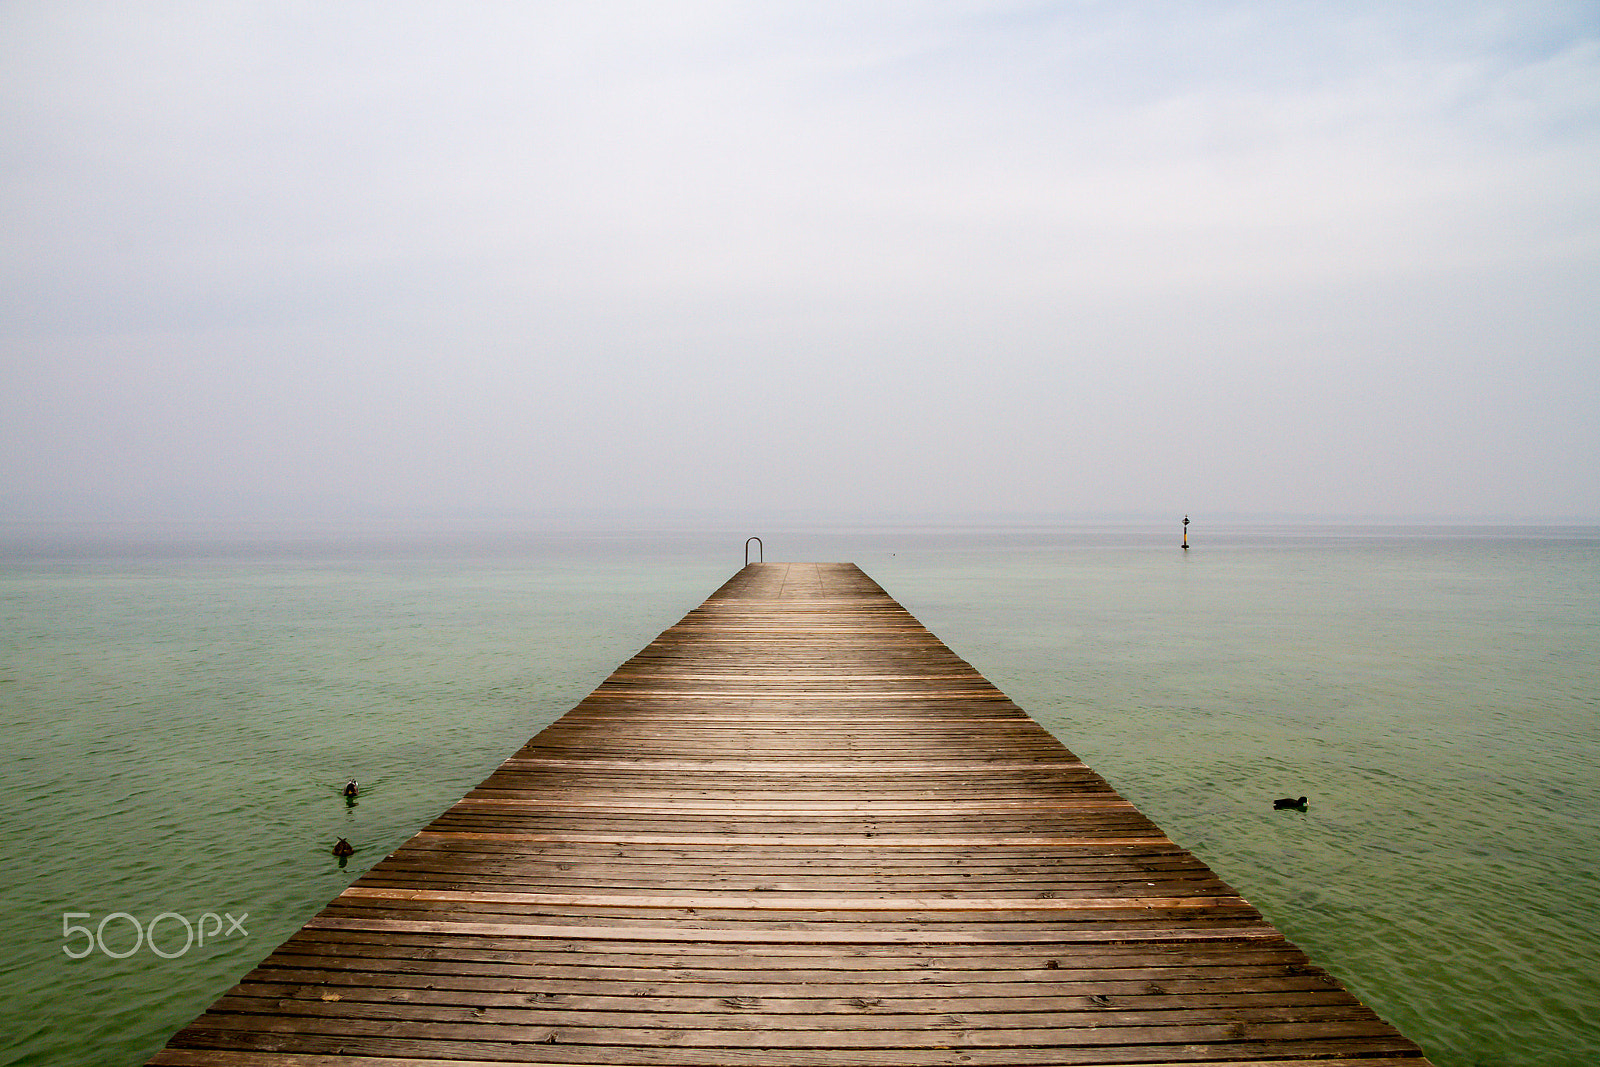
795 829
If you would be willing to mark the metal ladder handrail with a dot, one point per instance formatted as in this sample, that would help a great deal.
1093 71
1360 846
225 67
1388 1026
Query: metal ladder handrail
760 550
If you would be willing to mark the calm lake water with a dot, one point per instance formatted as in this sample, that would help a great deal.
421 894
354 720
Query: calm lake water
180 709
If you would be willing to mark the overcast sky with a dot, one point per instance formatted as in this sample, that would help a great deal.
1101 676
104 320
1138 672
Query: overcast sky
1085 257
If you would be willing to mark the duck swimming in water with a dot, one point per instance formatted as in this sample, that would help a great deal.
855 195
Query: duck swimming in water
1289 804
351 789
344 848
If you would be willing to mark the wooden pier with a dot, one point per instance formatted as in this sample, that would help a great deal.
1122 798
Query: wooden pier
795 829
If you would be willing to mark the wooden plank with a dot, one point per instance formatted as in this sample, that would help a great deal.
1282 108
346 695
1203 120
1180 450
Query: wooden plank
790 901
791 808
221 1058
778 765
718 836
755 935
795 829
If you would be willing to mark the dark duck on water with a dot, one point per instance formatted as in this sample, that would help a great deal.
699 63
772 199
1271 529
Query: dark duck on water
1289 804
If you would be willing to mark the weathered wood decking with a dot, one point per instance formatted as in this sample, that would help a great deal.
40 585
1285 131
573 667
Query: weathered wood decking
794 829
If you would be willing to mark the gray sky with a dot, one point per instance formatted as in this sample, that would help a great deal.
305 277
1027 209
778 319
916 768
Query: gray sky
936 256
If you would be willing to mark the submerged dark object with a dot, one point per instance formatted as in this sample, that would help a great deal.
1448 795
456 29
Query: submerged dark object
1289 804
343 848
351 789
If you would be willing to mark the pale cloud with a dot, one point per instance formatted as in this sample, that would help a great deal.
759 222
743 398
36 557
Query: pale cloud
928 256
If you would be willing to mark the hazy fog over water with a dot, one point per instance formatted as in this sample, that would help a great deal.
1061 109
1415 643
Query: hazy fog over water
354 260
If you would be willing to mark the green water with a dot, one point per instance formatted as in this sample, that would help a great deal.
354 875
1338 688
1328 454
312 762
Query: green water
179 714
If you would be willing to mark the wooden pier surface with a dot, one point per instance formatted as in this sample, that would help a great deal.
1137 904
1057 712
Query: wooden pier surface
795 829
